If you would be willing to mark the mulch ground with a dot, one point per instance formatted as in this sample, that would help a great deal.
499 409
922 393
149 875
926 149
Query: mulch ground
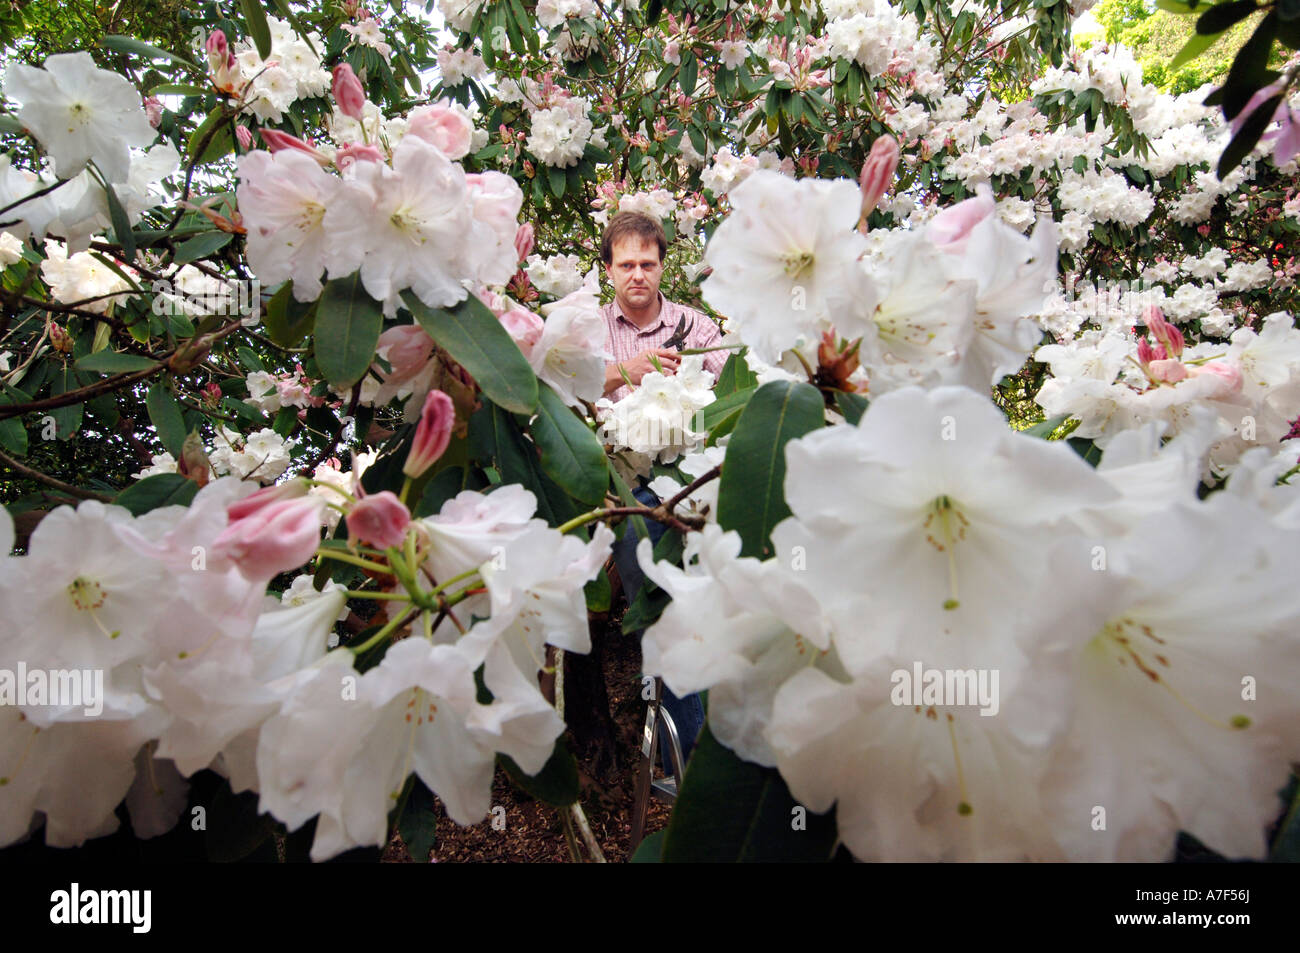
534 832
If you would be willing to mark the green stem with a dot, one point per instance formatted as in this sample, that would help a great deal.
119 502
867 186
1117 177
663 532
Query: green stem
382 634
353 560
578 521
366 594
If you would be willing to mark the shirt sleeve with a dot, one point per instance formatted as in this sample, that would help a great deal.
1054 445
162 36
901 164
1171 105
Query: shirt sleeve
709 336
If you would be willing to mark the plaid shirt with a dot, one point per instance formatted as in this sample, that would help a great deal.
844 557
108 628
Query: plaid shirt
624 340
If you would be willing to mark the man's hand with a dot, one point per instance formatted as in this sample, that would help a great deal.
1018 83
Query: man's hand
639 366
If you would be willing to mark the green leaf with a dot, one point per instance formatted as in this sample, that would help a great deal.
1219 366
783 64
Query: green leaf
1249 71
1286 841
209 123
166 417
1085 448
348 323
709 416
598 592
735 375
852 406
688 74
571 454
556 784
129 44
13 435
115 362
731 811
1045 428
178 89
67 420
751 495
496 438
418 823
475 339
650 850
201 246
161 489
555 176
1180 6
1247 136
121 224
258 28
1221 16
288 320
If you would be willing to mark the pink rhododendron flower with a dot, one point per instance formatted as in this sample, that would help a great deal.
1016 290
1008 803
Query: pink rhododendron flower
444 127
348 91
274 538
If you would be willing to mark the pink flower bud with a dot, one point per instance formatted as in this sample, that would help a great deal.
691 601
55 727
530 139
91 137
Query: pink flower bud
245 137
348 91
354 152
217 47
379 520
289 490
276 140
153 110
524 238
406 348
432 434
273 538
878 172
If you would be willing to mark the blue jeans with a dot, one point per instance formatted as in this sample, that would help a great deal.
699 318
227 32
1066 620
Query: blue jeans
687 713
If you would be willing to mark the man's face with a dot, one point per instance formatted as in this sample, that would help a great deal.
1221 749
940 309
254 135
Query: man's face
636 271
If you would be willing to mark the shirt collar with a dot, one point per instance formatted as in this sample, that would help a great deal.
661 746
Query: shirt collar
659 322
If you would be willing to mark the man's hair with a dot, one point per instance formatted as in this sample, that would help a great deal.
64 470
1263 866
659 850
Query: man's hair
627 225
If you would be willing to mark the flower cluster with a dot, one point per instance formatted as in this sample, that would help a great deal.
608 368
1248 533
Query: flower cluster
923 540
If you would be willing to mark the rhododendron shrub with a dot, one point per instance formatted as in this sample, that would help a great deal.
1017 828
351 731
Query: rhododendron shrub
984 525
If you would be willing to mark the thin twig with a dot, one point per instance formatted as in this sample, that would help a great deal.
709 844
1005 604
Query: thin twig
50 481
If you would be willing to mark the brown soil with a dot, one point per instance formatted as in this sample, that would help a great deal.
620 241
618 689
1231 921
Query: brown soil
534 832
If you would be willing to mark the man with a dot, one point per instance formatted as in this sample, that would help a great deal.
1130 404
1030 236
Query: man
640 320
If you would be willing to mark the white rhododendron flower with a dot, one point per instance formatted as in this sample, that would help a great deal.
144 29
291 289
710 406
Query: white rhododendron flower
658 416
783 263
570 353
557 276
80 113
82 279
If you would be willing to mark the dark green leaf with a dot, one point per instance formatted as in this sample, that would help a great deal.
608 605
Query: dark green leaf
201 246
13 435
556 784
166 416
571 454
258 28
751 497
1249 71
1223 15
129 44
473 336
161 489
1248 136
418 822
1085 448
688 74
121 224
348 323
555 176
731 811
650 850
735 375
114 362
709 416
598 592
852 406
288 320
